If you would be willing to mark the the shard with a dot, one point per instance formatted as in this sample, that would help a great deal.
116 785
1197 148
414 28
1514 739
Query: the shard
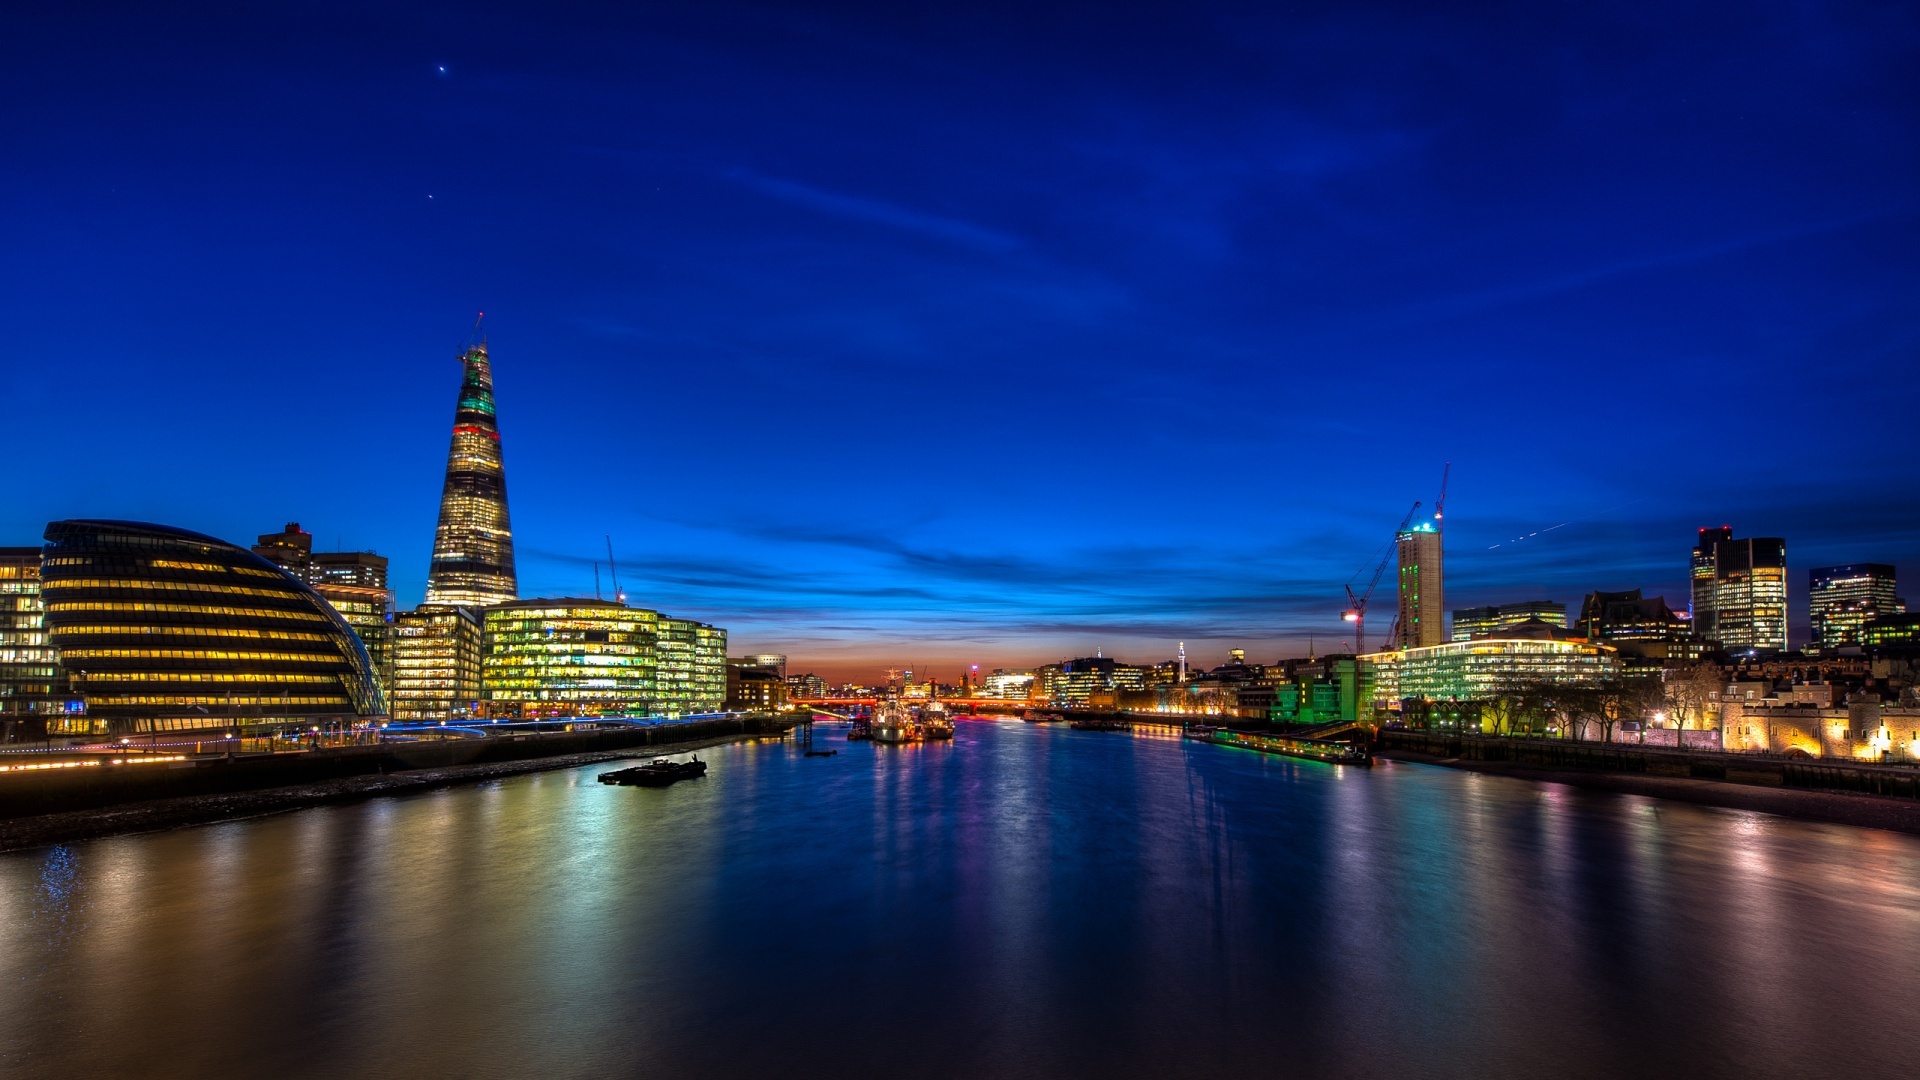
473 546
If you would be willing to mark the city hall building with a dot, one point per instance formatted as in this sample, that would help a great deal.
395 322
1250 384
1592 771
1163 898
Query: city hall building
160 629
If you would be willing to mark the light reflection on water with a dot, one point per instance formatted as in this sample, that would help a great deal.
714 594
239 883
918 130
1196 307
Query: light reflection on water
1028 901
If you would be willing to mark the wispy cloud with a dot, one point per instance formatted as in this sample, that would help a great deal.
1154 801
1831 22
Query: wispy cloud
874 211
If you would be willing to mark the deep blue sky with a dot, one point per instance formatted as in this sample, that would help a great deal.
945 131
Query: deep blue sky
881 335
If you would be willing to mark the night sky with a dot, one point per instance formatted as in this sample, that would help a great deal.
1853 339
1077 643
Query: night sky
887 336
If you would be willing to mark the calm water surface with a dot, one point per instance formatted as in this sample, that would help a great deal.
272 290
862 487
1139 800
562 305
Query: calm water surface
1027 901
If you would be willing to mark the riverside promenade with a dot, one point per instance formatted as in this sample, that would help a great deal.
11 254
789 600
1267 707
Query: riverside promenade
58 805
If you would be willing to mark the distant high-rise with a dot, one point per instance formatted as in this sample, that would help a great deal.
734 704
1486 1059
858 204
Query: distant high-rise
1842 599
1702 577
1470 623
473 545
1423 619
1740 590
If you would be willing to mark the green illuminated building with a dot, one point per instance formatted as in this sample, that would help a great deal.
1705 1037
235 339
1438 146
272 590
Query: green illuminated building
576 657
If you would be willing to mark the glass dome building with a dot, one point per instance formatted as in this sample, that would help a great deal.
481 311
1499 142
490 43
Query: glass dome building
162 630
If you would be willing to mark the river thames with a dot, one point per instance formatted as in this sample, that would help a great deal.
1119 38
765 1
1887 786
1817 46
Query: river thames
1025 901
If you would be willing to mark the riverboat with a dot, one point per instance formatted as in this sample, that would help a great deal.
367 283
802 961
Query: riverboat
656 773
1327 750
1100 723
935 722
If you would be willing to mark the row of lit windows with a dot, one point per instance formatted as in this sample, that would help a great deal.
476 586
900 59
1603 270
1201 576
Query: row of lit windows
201 699
188 609
166 586
196 654
205 676
202 631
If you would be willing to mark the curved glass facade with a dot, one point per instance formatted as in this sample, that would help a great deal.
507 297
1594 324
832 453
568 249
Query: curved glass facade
161 629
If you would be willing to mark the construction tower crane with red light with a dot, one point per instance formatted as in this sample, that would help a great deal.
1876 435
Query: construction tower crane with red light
1356 612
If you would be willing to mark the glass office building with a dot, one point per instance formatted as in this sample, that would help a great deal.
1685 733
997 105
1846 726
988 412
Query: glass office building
354 582
691 667
1843 599
436 664
161 629
33 686
473 544
1470 623
1483 669
569 658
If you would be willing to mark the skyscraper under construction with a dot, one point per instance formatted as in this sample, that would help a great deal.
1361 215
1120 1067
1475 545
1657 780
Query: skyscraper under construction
473 545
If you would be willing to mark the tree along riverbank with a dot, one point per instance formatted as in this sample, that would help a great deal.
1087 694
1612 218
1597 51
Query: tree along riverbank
1805 804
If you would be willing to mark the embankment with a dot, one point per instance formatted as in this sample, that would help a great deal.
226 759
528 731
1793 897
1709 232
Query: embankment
58 806
1846 793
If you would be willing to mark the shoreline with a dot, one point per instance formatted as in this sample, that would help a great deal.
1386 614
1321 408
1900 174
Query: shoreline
157 815
1800 804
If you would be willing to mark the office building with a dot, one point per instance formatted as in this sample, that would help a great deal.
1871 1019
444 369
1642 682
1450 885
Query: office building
1007 685
1470 623
1841 600
1702 576
1740 590
160 629
774 662
691 669
1488 667
436 664
806 686
1891 630
354 582
1747 601
1422 595
473 544
1074 682
33 686
754 689
569 657
1648 634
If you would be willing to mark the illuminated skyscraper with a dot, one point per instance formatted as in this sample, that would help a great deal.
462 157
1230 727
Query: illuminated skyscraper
1703 580
473 545
1842 599
1740 590
1423 619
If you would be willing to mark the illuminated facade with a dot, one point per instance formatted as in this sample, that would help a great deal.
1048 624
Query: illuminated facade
1074 682
354 582
436 663
691 669
1422 594
1469 623
1891 630
1749 593
162 629
473 544
1484 669
1843 599
33 686
569 657
1701 570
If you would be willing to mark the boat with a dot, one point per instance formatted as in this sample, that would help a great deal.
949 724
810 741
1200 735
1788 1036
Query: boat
893 722
1100 723
935 722
1330 751
656 773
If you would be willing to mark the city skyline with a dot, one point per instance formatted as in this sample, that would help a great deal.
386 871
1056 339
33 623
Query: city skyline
1154 399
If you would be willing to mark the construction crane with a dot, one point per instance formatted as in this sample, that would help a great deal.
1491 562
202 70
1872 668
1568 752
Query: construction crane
1356 612
1440 504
